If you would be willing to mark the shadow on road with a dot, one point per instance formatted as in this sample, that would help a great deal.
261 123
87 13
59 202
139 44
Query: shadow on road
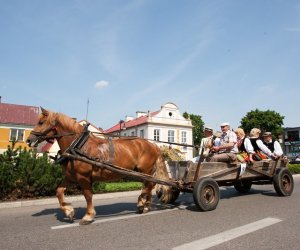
185 201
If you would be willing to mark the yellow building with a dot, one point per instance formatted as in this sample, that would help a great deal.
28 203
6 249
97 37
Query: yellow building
16 122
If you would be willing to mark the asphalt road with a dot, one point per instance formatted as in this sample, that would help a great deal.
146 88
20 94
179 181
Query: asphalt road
258 220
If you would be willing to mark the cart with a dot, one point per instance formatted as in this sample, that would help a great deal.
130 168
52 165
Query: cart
203 179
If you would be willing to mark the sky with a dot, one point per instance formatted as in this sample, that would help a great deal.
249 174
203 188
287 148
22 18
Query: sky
105 59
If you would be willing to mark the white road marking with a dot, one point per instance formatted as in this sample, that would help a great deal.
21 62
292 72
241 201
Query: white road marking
122 217
227 235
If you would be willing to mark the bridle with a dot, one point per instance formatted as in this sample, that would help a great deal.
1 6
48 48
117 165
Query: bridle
43 136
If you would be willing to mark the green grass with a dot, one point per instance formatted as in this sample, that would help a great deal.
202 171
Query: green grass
116 186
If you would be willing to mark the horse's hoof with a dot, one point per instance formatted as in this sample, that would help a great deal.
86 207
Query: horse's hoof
85 222
146 210
140 210
70 215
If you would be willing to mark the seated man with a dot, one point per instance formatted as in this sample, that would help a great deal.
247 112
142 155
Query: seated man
273 145
206 142
205 145
227 150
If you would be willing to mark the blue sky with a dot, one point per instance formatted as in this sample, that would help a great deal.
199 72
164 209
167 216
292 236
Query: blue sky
218 59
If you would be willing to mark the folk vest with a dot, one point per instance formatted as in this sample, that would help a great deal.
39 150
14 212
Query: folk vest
254 144
241 147
270 145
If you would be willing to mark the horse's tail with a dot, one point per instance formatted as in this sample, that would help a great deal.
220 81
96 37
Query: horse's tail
164 193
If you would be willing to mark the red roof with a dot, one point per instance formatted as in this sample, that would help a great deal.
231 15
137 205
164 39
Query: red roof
18 114
129 124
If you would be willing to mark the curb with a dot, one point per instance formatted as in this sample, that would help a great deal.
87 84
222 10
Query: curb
49 201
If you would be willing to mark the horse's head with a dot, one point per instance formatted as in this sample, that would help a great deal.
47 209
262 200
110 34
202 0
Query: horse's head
44 130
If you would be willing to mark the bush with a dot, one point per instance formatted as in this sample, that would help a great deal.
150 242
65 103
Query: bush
294 168
104 187
23 174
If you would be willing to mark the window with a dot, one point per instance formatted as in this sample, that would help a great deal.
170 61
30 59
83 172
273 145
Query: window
184 140
183 137
171 135
16 134
156 134
132 133
142 133
293 135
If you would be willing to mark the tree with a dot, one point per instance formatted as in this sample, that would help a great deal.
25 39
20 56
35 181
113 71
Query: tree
198 126
264 120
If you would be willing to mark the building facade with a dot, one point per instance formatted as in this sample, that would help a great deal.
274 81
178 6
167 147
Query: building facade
163 127
292 142
16 123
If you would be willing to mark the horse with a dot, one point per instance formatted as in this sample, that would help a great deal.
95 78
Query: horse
130 153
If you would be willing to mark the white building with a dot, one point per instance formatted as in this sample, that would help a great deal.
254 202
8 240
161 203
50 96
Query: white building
163 127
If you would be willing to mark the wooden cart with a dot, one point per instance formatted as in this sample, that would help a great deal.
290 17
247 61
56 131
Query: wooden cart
203 179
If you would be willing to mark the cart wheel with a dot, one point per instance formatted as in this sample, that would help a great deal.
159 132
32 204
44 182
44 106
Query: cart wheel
283 182
206 194
170 198
242 186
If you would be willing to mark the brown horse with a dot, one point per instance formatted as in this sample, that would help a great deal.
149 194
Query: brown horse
134 154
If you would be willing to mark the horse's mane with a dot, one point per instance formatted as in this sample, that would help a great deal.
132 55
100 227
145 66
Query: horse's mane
65 121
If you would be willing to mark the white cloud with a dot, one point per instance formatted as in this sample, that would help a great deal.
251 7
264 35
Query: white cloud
293 29
101 84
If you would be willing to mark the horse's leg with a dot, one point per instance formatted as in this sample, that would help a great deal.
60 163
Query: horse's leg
64 206
144 200
86 187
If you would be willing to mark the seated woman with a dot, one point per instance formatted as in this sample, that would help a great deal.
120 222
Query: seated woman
245 147
261 150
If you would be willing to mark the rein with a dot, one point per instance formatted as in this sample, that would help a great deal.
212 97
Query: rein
43 135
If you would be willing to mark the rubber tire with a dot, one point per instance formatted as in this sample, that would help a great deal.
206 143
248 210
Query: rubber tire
283 182
206 194
242 186
172 198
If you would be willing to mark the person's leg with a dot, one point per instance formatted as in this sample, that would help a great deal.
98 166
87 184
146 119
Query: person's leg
224 157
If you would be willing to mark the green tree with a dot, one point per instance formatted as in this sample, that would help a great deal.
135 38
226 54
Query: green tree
198 127
264 120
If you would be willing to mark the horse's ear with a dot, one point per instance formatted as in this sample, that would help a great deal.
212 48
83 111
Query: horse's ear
44 111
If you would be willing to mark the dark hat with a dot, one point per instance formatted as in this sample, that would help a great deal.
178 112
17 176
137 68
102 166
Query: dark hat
267 134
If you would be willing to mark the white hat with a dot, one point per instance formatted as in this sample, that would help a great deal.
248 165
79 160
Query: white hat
208 128
224 124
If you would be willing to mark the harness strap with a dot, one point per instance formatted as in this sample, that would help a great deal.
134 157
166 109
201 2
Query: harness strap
79 141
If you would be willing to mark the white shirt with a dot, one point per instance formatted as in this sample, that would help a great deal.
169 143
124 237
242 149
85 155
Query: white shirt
205 145
248 146
227 137
277 149
264 148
